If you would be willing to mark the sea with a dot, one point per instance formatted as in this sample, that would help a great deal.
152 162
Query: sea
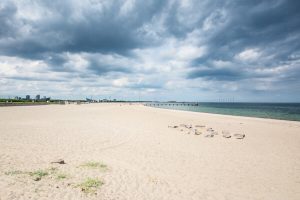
281 111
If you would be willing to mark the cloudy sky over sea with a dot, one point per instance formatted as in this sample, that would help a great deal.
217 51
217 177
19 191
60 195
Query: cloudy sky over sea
188 50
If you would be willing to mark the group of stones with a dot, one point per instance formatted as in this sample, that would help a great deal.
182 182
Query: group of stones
209 132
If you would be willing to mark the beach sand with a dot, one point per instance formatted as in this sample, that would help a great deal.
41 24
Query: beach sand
142 158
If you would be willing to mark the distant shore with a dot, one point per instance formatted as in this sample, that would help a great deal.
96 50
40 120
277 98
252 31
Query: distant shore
22 104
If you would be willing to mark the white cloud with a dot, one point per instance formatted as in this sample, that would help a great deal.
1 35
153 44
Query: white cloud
121 82
15 66
188 53
248 55
222 63
127 7
76 62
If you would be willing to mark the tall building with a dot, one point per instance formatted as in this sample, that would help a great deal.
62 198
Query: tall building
38 97
46 98
27 97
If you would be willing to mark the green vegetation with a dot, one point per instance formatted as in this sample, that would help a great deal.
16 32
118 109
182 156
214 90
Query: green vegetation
15 172
39 174
95 165
90 185
21 101
61 176
14 100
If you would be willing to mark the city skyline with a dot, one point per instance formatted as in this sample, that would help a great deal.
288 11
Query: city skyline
152 50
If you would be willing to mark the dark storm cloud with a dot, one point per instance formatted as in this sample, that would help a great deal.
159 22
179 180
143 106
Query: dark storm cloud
273 27
100 68
7 20
54 60
98 27
217 74
263 23
22 78
227 74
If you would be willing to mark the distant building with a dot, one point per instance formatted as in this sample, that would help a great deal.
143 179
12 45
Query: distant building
27 97
104 100
46 98
38 97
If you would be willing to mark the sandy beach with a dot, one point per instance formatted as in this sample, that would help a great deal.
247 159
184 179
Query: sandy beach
141 157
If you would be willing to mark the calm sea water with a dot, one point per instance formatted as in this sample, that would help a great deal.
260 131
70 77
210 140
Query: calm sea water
284 111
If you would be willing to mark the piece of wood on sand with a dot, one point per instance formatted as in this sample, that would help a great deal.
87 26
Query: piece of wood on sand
58 161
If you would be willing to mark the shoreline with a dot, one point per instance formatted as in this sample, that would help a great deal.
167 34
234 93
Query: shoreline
233 116
225 114
133 104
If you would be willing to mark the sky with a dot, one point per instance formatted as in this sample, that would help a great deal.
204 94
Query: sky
183 50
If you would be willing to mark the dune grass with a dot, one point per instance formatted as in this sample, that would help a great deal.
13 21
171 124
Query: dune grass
38 174
14 172
62 176
94 165
90 185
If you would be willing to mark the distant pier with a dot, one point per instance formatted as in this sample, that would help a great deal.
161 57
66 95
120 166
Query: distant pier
159 104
